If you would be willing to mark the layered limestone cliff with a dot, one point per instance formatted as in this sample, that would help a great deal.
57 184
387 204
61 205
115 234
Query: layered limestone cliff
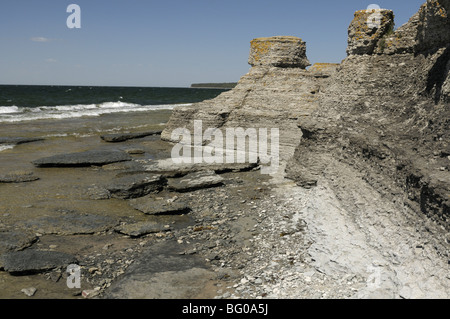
384 110
387 112
276 93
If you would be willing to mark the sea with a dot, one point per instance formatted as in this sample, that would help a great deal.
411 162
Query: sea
20 103
52 111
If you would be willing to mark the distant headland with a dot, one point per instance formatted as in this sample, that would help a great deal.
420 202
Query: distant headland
231 85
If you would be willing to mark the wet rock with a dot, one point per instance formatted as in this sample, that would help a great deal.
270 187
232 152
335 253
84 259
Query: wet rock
16 240
18 177
122 137
136 185
162 273
98 193
142 229
34 261
151 206
135 151
72 223
88 158
18 140
130 166
194 181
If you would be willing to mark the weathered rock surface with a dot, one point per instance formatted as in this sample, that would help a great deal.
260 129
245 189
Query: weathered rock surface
122 137
88 158
270 96
194 181
371 154
18 177
279 52
33 261
389 109
168 168
150 205
367 30
16 240
159 270
98 193
72 223
130 166
136 185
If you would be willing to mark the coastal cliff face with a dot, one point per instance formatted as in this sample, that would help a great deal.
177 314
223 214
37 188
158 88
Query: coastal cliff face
384 110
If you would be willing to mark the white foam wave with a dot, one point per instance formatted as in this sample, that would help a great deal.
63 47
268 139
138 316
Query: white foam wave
19 114
4 147
9 109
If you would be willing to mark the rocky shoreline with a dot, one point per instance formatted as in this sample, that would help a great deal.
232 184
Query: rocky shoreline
357 209
247 235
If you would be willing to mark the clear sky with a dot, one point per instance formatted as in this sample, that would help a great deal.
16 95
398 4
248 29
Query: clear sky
164 43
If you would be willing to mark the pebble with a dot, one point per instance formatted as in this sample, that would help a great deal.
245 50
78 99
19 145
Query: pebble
30 292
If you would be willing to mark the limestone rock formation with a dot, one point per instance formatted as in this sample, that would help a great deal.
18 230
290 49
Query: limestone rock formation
274 94
367 30
384 110
279 52
387 113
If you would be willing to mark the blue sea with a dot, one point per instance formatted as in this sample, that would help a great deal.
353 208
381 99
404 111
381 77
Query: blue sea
19 103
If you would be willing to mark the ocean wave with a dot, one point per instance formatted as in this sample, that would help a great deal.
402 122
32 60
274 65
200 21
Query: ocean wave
20 114
4 147
9 109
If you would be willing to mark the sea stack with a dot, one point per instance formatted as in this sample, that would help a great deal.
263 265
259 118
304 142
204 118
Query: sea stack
278 51
367 30
276 93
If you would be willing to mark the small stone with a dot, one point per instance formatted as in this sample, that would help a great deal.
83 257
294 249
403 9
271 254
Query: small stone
135 151
226 295
93 270
90 293
29 291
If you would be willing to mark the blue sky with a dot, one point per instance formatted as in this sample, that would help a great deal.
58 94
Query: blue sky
170 43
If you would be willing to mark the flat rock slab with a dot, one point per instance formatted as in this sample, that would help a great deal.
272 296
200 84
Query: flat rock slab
33 261
142 229
83 159
162 273
18 177
18 140
168 168
136 185
72 224
195 181
15 240
151 206
130 166
122 137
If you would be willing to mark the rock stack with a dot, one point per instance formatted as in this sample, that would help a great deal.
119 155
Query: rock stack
276 92
283 52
